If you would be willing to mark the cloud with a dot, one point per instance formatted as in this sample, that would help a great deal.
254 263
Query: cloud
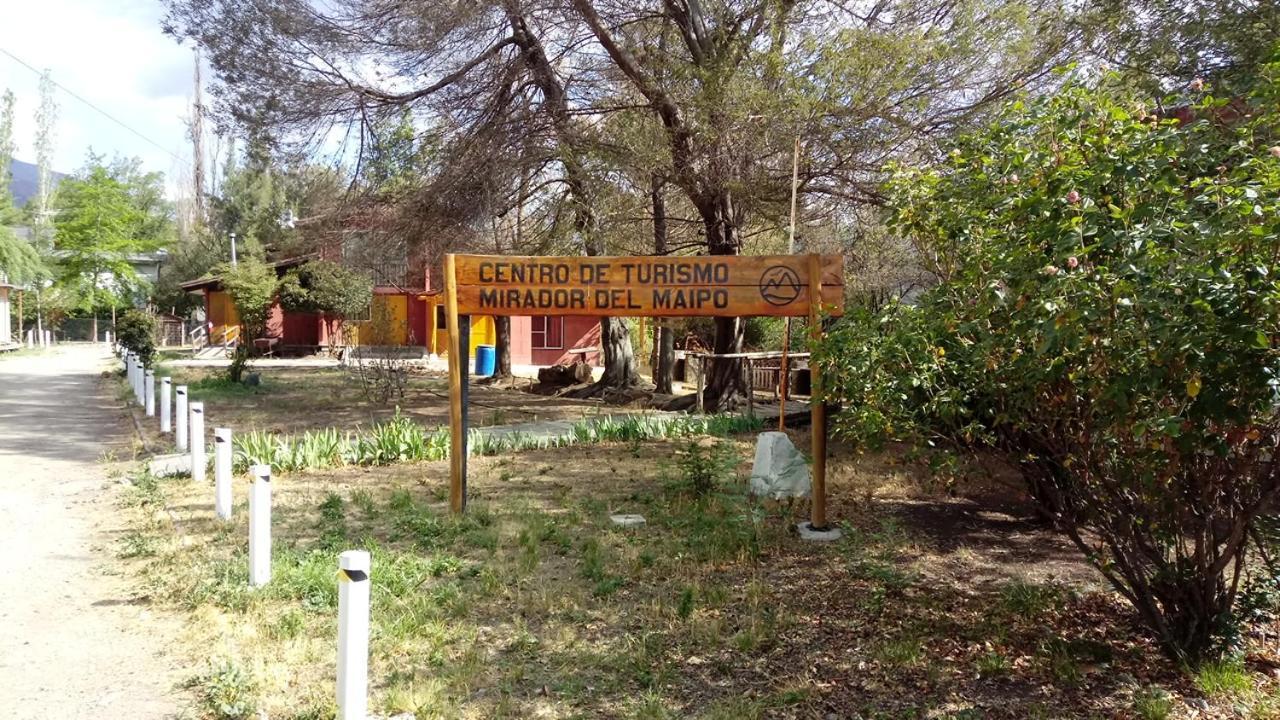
112 54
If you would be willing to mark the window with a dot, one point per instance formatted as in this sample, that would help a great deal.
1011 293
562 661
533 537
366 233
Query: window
442 322
548 333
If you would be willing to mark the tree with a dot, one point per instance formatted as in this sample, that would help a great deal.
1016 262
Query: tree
1165 45
252 285
19 261
723 86
1107 320
46 123
104 216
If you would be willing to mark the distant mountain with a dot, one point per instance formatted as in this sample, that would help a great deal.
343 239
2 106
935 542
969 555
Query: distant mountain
26 182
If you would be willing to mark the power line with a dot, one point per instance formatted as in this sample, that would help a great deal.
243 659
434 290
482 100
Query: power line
97 109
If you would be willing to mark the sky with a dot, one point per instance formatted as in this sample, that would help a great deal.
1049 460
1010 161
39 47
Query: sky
113 54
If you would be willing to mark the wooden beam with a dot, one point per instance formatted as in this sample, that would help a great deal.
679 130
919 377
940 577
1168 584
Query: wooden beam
458 447
643 301
643 270
818 412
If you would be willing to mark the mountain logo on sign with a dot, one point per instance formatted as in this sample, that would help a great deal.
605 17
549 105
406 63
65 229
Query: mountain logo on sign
779 285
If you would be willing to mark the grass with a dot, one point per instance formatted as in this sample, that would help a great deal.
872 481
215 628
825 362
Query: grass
1223 678
1153 704
534 605
401 440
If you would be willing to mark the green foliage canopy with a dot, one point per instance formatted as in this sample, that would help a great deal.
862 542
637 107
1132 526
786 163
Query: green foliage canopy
323 286
136 331
1107 317
107 214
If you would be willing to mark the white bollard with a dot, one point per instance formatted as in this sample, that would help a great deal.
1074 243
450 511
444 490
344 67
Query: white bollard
31 339
108 339
196 440
222 472
149 392
166 404
180 417
260 525
353 635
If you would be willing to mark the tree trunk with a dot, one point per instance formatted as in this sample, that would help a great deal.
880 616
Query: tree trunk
502 331
664 368
725 387
615 340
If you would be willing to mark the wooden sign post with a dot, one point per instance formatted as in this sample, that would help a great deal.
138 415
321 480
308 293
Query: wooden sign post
636 286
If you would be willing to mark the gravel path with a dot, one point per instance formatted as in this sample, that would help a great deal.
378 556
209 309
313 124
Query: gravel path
75 640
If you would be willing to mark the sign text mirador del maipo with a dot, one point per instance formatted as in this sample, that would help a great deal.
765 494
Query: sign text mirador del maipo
649 286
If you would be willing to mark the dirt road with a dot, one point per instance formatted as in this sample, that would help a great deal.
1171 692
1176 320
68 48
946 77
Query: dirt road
75 640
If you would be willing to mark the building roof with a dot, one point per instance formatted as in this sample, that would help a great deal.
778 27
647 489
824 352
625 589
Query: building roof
213 282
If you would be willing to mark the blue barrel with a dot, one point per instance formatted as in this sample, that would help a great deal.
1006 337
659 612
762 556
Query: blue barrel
486 360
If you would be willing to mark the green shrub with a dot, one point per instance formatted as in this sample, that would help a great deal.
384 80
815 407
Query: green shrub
1105 318
136 332
322 286
226 692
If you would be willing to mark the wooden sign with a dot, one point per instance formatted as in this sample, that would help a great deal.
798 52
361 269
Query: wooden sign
723 286
646 286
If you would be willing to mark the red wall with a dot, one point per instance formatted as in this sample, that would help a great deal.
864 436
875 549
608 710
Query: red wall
418 322
579 332
301 329
521 340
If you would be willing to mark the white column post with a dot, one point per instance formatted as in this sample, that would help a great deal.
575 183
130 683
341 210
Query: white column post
180 417
31 342
222 472
140 380
108 337
353 635
195 429
260 525
149 393
166 404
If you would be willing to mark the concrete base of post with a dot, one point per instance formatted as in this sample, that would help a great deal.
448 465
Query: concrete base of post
809 532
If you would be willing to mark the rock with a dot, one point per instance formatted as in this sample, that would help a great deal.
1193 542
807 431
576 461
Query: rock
170 465
627 521
565 375
780 471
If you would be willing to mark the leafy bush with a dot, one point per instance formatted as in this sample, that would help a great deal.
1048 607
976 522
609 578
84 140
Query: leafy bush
226 692
321 286
136 332
1106 319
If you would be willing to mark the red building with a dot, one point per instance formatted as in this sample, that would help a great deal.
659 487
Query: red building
407 310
